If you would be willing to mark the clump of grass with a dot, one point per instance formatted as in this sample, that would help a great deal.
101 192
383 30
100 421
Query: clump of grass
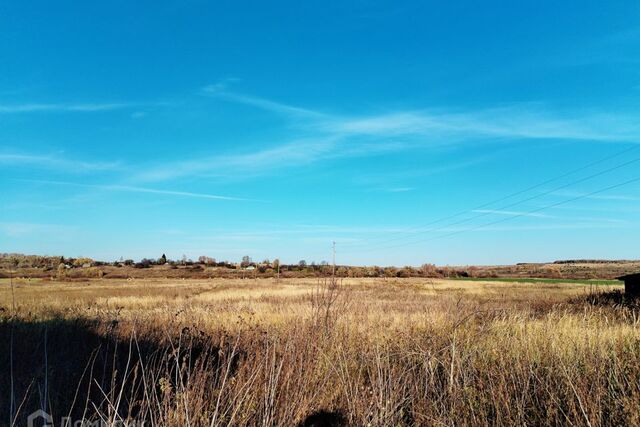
360 352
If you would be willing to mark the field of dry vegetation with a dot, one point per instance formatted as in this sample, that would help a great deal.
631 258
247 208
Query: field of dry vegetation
306 352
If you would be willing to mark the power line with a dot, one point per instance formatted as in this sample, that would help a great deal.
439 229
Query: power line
422 230
522 214
333 270
483 214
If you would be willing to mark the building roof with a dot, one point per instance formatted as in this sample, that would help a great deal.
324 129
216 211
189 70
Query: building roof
630 276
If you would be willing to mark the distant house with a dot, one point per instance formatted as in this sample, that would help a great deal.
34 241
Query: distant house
631 285
250 268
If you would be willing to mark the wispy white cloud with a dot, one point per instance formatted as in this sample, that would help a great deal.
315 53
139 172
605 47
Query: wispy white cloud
284 232
408 178
22 229
522 121
566 226
168 192
318 136
219 90
598 208
324 234
511 213
220 86
274 157
611 197
295 153
600 220
132 189
326 136
518 120
398 189
55 162
44 107
444 231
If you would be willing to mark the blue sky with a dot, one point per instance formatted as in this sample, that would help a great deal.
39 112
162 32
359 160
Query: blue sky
272 129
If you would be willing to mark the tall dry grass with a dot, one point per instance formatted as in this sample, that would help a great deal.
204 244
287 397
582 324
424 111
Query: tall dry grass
359 352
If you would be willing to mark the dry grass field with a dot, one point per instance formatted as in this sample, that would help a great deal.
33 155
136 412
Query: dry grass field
309 352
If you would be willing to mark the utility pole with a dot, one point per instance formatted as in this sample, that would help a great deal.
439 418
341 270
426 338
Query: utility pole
333 272
13 295
12 403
